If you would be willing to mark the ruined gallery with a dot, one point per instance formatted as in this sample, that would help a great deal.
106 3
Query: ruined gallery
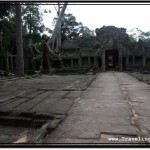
110 49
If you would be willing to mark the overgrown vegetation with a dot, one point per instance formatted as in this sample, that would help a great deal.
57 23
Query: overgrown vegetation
33 27
71 29
137 34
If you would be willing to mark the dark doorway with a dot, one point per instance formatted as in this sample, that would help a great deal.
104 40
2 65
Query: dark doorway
67 63
85 61
91 61
124 63
111 59
75 63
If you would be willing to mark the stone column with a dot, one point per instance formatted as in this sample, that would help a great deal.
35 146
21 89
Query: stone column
95 62
144 61
11 63
103 61
72 63
80 61
7 62
133 60
127 62
89 63
15 63
120 60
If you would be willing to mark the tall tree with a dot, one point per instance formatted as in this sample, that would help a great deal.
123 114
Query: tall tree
4 12
86 32
33 26
19 43
32 17
51 45
58 8
71 29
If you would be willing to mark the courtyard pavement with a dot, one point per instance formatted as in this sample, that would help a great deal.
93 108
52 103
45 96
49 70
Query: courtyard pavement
104 109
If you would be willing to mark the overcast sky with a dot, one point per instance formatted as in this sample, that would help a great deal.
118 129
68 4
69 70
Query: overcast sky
95 16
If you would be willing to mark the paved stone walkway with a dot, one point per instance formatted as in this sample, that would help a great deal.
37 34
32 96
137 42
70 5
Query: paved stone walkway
116 105
75 109
29 108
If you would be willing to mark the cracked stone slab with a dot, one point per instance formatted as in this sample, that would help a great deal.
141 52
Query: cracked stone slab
91 126
4 138
61 107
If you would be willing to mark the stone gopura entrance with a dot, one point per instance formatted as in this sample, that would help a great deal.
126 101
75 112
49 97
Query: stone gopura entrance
110 49
111 59
112 43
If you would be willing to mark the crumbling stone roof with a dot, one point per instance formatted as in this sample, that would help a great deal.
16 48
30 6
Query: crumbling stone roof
82 46
107 37
88 42
68 44
110 36
110 30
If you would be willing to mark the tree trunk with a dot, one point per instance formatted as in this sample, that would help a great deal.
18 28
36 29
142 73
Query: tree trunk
19 43
55 38
30 25
58 22
7 61
59 30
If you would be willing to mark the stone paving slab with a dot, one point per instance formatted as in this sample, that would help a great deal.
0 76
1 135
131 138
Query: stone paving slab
4 138
54 82
139 101
44 94
111 104
61 107
45 105
107 112
92 123
10 134
104 108
11 130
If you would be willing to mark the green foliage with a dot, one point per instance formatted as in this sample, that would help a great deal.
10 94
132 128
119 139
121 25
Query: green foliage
71 29
32 26
138 34
32 19
7 28
145 36
86 32
131 39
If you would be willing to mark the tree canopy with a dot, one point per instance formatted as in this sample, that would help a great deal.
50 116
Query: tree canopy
4 10
33 26
137 34
71 29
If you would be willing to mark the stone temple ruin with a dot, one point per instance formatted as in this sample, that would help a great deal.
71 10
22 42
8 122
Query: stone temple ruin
110 49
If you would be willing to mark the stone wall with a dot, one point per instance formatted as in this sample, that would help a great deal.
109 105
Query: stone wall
108 38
